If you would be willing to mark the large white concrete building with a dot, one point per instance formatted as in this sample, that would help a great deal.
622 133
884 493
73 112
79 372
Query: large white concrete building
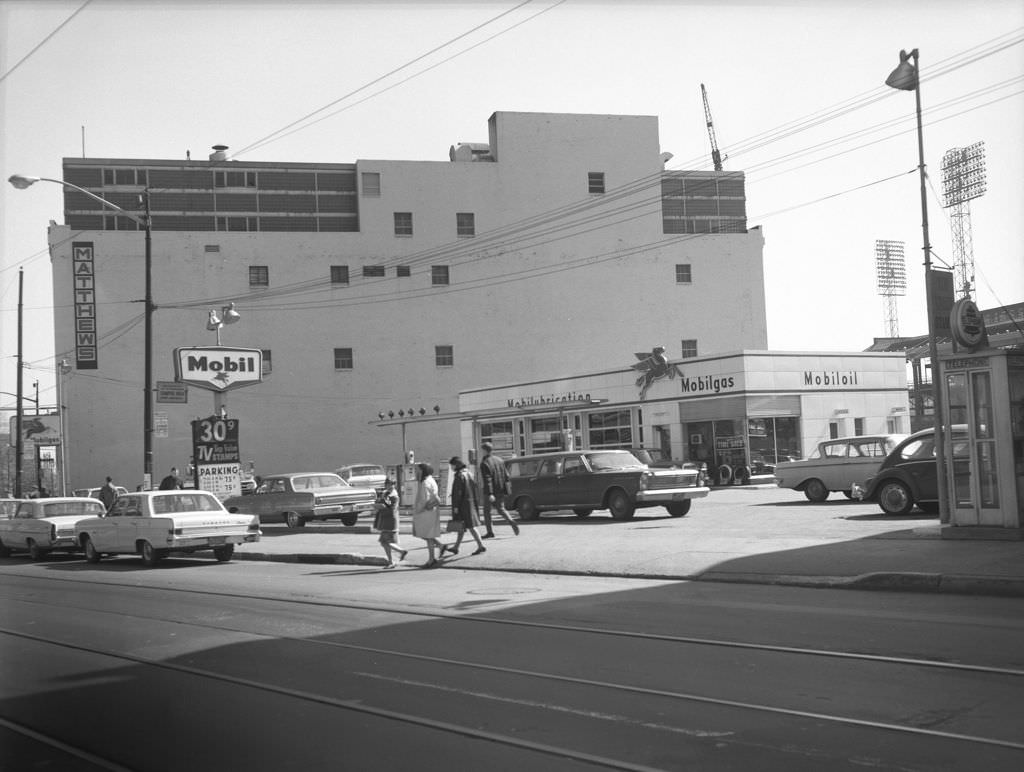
379 286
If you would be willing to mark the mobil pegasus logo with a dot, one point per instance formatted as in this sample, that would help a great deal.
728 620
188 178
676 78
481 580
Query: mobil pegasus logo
218 368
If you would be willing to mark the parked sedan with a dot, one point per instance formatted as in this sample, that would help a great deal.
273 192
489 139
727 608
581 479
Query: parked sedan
363 476
40 526
299 497
909 475
837 465
153 524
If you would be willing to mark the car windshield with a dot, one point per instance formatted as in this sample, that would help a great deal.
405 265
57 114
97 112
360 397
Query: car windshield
87 508
601 462
185 502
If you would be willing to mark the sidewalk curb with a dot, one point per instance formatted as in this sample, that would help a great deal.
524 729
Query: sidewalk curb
961 584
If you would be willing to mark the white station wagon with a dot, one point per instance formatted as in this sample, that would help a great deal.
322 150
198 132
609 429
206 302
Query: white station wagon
153 524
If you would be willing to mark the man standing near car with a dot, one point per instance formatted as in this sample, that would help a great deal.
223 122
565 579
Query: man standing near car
107 494
496 486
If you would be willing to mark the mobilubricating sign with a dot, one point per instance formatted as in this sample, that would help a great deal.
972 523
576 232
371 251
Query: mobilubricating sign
218 368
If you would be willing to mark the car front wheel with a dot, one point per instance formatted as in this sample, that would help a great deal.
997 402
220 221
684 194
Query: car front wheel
91 553
582 512
679 508
815 491
895 498
526 508
620 505
349 519
294 520
35 552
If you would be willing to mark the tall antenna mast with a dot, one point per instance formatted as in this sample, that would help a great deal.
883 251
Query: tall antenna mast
963 178
891 271
716 157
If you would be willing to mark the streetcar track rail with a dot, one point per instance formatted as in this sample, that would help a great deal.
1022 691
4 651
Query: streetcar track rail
521 672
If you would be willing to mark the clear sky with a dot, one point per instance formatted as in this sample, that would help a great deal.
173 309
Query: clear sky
796 90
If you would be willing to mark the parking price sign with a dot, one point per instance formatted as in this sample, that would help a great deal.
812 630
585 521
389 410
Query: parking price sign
216 456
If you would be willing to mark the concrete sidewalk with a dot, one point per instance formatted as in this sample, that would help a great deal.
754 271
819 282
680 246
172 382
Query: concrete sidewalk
754 535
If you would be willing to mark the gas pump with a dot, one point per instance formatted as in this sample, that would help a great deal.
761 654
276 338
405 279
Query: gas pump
985 391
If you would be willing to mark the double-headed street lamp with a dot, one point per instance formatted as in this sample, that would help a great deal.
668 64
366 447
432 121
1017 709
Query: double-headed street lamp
21 182
907 77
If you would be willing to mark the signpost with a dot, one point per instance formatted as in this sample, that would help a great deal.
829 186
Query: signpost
215 452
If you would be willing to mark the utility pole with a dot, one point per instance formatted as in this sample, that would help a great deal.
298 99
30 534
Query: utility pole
19 442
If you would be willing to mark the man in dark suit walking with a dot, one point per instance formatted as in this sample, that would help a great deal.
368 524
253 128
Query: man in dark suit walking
496 486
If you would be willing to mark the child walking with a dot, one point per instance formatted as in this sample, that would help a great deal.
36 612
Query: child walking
386 521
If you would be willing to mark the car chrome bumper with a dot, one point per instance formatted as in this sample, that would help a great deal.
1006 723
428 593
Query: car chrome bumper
670 494
201 542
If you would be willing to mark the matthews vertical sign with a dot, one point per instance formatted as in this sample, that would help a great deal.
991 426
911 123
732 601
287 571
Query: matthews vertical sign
84 283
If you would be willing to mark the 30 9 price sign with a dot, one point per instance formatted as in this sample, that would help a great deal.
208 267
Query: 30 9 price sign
216 455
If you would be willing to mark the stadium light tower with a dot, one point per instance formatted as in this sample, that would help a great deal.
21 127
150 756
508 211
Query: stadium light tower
891 273
963 178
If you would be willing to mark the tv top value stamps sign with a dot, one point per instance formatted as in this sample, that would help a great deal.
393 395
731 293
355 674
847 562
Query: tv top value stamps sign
218 368
216 455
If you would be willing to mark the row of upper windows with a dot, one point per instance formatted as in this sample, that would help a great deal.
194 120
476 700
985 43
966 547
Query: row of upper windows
440 275
371 183
344 358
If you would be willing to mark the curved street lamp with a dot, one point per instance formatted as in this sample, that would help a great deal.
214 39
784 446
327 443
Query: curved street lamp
21 182
906 77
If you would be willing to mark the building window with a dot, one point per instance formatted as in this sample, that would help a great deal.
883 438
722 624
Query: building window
610 429
371 184
444 356
125 177
439 275
259 276
403 270
373 271
342 359
268 362
234 179
595 182
465 224
689 348
833 430
858 427
683 273
403 223
237 223
339 274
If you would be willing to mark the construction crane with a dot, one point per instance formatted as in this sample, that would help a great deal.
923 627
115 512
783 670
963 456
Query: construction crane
716 157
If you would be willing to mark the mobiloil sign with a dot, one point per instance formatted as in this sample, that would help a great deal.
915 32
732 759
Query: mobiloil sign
218 368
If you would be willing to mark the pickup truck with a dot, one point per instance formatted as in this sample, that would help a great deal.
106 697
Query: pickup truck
153 524
586 480
300 497
836 465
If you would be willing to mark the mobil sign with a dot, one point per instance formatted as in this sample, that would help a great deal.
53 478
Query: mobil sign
218 368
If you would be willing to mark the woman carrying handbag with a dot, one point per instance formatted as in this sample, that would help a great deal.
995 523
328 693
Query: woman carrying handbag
464 507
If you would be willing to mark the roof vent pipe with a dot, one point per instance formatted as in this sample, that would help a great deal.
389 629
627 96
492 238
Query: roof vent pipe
219 153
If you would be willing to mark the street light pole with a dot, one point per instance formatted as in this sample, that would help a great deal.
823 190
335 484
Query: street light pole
906 77
21 182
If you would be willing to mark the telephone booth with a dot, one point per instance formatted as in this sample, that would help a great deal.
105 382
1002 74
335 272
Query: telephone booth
985 391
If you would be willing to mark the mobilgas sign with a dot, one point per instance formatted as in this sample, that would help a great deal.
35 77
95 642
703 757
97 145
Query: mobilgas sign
218 368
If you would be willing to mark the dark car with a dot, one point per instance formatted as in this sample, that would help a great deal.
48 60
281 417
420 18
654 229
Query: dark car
297 498
909 474
586 480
